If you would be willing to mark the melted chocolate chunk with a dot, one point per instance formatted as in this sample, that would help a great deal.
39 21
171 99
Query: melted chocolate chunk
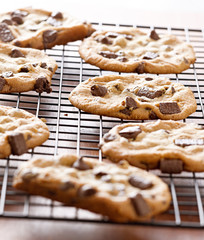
108 54
35 64
7 74
184 142
24 69
154 35
86 191
49 36
150 55
42 85
17 19
128 36
7 21
130 103
148 79
17 143
123 59
112 35
140 182
108 137
81 165
43 65
15 53
54 22
29 175
5 33
173 90
50 69
126 111
146 92
57 15
139 204
171 165
140 68
2 83
66 185
130 132
153 115
100 174
169 108
105 40
98 90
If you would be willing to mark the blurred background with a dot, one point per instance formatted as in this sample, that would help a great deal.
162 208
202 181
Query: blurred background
177 13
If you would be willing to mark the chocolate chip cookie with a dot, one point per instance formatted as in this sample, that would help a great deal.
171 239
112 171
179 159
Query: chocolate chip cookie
24 69
121 192
20 131
169 145
131 50
41 29
134 97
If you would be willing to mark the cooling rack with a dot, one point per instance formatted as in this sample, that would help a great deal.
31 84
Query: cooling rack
75 131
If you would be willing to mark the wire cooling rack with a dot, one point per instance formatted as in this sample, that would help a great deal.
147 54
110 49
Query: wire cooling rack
75 131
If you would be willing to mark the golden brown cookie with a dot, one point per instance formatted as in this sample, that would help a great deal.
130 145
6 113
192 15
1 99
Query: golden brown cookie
120 192
134 97
20 131
131 50
169 145
25 69
41 29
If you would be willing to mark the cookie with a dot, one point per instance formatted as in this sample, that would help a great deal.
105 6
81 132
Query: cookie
121 192
169 145
20 131
134 97
25 69
131 50
41 29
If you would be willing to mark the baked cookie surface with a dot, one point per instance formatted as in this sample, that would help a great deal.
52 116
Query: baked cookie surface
134 97
131 50
25 69
20 131
121 192
169 145
40 29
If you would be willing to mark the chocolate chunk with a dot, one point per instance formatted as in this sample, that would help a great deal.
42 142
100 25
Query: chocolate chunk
171 165
49 36
20 13
185 60
184 142
140 182
7 21
108 137
15 53
130 103
130 132
140 68
128 36
148 79
17 143
108 54
98 90
66 185
173 90
17 19
153 115
146 92
2 83
112 35
50 69
57 15
139 204
17 43
43 65
105 40
29 175
24 69
5 33
81 165
123 59
7 74
154 35
126 111
54 22
150 55
100 173
35 64
42 85
169 108
86 191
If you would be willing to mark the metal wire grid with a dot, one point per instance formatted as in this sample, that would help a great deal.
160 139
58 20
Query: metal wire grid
72 130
